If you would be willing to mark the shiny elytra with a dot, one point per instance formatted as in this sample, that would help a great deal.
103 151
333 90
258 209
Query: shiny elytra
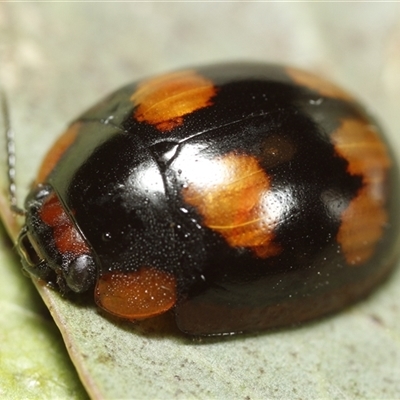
240 197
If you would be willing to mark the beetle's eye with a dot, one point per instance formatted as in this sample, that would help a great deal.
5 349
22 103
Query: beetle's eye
81 274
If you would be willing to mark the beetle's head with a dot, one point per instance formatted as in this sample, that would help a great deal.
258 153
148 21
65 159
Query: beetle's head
52 247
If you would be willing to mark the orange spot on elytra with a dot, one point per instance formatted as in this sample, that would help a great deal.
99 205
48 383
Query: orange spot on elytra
236 205
165 100
56 151
66 236
364 219
318 84
139 294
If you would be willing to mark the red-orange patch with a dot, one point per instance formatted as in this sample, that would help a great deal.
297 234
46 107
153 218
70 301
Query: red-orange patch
139 294
57 150
164 101
66 236
363 221
236 205
320 85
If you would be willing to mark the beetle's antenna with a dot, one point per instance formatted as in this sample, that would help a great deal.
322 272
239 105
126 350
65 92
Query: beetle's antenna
10 143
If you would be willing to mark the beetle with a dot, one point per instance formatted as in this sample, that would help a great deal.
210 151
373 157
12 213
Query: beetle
242 196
